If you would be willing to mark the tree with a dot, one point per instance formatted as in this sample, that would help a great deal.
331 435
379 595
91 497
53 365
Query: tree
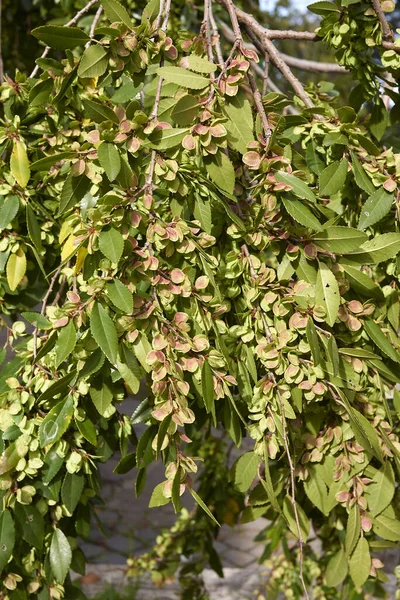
177 218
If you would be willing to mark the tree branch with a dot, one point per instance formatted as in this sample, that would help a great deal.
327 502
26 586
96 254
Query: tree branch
386 30
1 45
94 25
74 20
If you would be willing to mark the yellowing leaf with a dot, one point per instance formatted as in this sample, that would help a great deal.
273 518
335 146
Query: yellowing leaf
19 164
16 268
69 248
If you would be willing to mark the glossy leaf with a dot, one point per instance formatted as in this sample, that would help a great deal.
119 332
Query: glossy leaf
327 293
60 555
299 187
183 77
375 208
115 12
66 342
332 178
19 164
59 37
111 244
7 537
16 269
93 63
71 490
73 191
109 159
300 213
8 211
340 240
56 422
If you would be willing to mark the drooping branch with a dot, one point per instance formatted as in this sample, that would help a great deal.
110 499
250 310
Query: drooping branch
74 20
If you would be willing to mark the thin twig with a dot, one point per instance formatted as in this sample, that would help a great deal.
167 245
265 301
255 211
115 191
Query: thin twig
1 45
265 74
292 485
386 30
215 31
94 25
206 24
74 20
43 308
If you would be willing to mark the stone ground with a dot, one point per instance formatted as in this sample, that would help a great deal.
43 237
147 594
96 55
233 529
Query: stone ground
132 528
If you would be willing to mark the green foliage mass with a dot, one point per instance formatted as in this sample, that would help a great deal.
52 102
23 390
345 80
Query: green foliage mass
162 219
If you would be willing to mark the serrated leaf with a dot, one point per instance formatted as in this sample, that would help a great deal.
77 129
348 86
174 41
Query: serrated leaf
33 228
202 212
120 296
387 528
312 338
111 244
44 164
361 177
198 64
8 211
93 63
60 555
109 159
65 343
129 369
316 491
73 191
71 490
185 110
300 213
288 512
126 464
327 293
104 332
336 569
30 524
360 563
56 422
141 347
375 208
362 283
203 506
299 187
88 430
244 471
183 77
19 164
381 490
332 178
59 37
376 334
221 171
379 249
340 240
115 12
239 124
7 537
16 269
37 319
99 112
164 139
353 529
207 386
101 396
157 497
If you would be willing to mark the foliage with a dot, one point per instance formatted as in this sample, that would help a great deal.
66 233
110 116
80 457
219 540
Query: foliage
163 218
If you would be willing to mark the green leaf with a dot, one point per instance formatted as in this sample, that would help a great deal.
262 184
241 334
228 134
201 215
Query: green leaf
16 269
361 177
141 347
323 7
364 433
353 529
111 244
185 110
332 178
327 293
239 124
316 490
56 422
387 528
300 213
19 164
379 119
198 64
60 555
71 490
336 569
104 332
66 342
164 139
381 490
157 497
33 228
120 296
162 432
360 563
44 164
340 240
30 524
289 515
221 171
8 211
129 369
314 158
379 249
59 385
126 464
203 506
7 537
312 338
73 191
109 159
59 37
99 112
101 396
116 13
88 430
299 187
375 208
202 212
37 319
376 334
93 63
244 471
183 77
362 283
207 386
10 458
